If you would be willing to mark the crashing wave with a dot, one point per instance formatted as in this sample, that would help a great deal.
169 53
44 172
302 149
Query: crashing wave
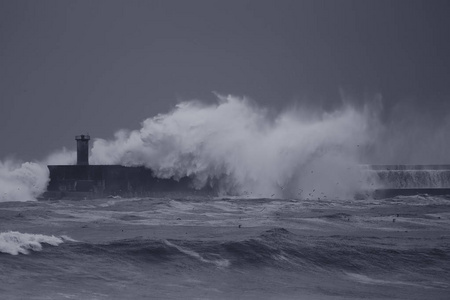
14 242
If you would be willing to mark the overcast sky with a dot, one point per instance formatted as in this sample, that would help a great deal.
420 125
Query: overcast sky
71 67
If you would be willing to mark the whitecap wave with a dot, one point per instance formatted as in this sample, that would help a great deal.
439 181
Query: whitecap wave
14 242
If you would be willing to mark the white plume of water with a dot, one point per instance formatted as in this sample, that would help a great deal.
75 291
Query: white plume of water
26 181
61 157
248 150
22 181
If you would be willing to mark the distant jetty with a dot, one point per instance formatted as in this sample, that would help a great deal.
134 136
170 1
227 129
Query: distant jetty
408 180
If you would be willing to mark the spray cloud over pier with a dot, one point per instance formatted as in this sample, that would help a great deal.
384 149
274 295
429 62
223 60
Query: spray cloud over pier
245 148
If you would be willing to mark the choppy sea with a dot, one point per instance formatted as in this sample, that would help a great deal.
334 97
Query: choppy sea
226 248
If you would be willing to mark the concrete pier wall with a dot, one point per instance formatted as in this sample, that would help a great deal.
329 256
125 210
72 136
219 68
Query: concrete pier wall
408 180
88 181
93 181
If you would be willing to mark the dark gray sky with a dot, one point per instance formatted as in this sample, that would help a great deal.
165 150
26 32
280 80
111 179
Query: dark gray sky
69 67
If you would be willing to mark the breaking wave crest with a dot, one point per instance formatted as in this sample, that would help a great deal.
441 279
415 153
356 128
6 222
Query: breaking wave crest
14 242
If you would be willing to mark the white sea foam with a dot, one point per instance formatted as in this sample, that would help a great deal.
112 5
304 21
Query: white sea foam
217 262
14 242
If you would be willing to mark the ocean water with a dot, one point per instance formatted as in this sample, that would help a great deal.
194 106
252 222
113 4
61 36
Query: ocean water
226 248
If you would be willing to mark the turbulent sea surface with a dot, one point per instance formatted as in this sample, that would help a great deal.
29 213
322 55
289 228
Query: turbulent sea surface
237 248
